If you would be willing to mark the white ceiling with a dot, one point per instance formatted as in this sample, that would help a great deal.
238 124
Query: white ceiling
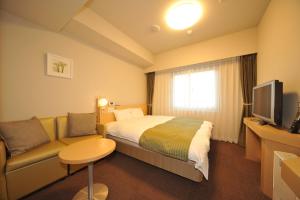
123 27
73 19
52 14
135 17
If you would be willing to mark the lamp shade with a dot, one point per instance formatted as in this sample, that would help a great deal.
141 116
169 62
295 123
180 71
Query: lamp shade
184 14
102 102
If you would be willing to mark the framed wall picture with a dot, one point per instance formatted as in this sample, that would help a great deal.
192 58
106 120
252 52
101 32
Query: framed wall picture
59 66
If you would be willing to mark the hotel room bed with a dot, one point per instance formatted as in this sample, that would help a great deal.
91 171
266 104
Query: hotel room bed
127 134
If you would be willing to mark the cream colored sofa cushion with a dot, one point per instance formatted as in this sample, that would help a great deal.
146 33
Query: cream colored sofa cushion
34 155
62 126
72 140
49 124
3 188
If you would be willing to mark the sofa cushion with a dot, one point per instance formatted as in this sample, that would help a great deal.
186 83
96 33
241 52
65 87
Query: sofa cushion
37 154
71 140
49 125
20 136
62 126
62 129
80 124
3 187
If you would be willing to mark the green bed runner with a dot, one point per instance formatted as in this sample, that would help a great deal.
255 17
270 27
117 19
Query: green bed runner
172 138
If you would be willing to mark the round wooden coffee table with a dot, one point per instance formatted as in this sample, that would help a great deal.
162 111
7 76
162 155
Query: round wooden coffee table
86 152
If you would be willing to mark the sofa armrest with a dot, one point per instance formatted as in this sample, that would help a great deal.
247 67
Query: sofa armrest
101 130
3 189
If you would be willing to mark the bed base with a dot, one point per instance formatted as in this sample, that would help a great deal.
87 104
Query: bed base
182 168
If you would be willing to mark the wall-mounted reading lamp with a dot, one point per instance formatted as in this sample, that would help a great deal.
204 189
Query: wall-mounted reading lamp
102 103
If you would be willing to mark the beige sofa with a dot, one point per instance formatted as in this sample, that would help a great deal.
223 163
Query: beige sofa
36 168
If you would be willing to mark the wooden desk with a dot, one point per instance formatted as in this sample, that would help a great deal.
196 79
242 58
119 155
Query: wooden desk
261 142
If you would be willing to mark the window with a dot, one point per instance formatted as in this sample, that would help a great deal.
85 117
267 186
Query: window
195 90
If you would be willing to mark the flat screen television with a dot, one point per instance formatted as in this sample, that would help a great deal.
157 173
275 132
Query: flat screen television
267 102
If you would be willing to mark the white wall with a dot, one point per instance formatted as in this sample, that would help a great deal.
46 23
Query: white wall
26 91
279 50
236 44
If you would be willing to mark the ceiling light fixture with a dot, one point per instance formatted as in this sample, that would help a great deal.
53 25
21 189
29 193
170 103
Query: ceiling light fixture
184 14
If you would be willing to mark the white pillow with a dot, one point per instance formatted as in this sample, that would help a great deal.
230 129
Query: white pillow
122 114
136 113
129 113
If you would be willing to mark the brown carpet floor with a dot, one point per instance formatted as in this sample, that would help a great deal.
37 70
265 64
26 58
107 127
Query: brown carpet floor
231 177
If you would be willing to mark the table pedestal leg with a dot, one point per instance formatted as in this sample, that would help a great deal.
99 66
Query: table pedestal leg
90 185
97 191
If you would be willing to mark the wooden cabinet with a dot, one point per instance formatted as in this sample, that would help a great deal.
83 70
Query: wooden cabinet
261 142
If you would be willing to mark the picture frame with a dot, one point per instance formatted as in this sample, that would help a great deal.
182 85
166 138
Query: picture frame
59 66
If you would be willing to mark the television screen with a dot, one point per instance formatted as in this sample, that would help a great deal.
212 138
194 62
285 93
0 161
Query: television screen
267 102
263 98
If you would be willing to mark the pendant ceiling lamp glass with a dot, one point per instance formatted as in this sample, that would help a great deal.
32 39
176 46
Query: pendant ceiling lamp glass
184 14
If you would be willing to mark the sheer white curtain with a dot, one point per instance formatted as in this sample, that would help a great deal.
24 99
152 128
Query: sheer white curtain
209 91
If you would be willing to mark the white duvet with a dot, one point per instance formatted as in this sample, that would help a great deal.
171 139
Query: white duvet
132 129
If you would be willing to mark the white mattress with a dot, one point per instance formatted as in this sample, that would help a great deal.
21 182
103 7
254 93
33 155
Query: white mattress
132 129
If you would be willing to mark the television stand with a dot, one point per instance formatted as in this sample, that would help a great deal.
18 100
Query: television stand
262 122
261 142
259 121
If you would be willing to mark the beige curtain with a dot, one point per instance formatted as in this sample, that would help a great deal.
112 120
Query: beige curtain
150 88
227 114
248 79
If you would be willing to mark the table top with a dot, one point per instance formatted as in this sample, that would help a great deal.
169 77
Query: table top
87 151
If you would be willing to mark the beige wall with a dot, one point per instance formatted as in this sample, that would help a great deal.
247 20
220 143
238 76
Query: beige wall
26 91
279 50
240 43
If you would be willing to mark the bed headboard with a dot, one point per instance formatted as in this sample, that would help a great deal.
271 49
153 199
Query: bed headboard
105 116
